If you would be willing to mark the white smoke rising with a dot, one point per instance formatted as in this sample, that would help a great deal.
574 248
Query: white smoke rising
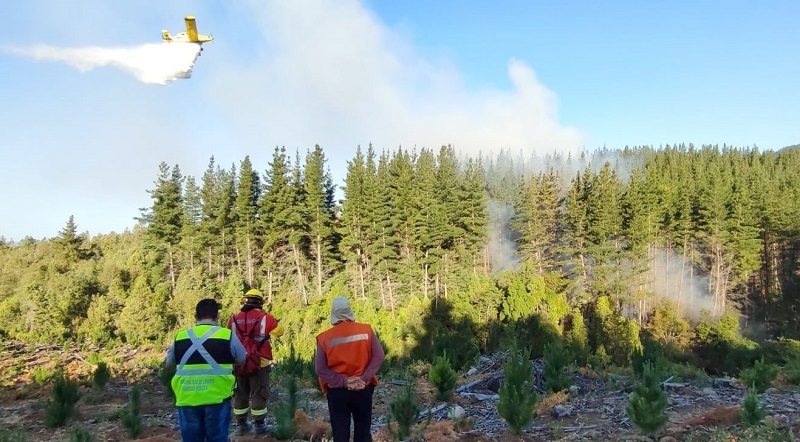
502 246
675 278
158 63
334 73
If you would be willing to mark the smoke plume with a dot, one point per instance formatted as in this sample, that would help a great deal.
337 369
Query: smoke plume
159 63
675 278
503 253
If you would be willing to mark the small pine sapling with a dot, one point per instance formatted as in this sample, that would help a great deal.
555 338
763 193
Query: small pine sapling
517 398
11 436
61 406
80 435
165 376
752 412
405 412
101 376
311 373
130 415
647 406
293 365
443 377
285 427
556 359
760 376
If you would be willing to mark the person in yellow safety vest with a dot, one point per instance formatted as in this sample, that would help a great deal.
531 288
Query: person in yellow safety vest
254 327
203 383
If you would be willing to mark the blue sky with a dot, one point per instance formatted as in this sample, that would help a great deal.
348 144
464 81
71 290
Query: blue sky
525 75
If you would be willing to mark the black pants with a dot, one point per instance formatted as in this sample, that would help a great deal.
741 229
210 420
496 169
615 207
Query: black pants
344 403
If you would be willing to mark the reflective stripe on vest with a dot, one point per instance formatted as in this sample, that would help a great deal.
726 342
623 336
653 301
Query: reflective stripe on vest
197 345
198 383
348 348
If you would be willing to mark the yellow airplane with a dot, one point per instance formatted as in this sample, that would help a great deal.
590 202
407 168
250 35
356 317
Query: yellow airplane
190 36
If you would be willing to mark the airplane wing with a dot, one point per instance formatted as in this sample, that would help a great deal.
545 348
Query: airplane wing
191 29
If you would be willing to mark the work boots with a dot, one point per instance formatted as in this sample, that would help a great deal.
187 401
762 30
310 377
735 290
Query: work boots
260 427
242 427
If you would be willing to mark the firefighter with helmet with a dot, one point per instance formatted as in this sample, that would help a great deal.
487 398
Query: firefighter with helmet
254 327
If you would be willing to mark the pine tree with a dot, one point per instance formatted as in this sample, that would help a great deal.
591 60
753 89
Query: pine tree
428 222
752 412
604 217
384 238
277 213
354 221
472 216
247 197
70 242
576 241
443 377
648 403
298 227
318 189
192 215
165 217
517 398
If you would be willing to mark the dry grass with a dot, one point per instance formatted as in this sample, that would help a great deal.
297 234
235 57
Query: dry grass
548 403
310 429
440 431
715 417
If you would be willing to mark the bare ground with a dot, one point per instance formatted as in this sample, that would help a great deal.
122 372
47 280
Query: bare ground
697 411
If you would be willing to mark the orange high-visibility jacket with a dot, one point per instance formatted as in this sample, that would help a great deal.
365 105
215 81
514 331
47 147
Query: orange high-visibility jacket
348 347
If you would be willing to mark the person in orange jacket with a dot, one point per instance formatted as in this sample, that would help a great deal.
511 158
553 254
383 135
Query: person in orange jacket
348 358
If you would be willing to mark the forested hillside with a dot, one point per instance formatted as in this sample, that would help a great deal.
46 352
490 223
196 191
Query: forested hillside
678 245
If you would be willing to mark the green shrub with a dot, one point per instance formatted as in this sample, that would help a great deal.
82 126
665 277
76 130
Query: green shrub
80 435
101 376
94 358
61 406
311 374
556 359
650 351
517 398
165 376
752 412
668 328
405 412
130 415
600 358
760 376
42 375
443 377
284 412
780 352
293 365
686 372
648 404
576 336
720 348
463 351
11 436
791 371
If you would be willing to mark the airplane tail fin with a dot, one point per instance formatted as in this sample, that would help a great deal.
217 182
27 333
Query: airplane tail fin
165 36
191 28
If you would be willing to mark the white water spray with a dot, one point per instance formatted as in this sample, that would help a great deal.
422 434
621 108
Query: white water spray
157 63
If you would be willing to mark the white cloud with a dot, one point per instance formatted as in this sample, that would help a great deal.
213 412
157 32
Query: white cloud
280 72
333 73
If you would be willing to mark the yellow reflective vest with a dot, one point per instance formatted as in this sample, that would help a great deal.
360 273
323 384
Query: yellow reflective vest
205 366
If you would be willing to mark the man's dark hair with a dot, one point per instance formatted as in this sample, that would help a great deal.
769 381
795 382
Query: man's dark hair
207 308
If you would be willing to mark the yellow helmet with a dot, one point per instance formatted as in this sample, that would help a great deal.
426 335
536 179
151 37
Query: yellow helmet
253 297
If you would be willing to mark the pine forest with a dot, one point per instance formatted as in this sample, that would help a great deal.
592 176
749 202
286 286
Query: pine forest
691 249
